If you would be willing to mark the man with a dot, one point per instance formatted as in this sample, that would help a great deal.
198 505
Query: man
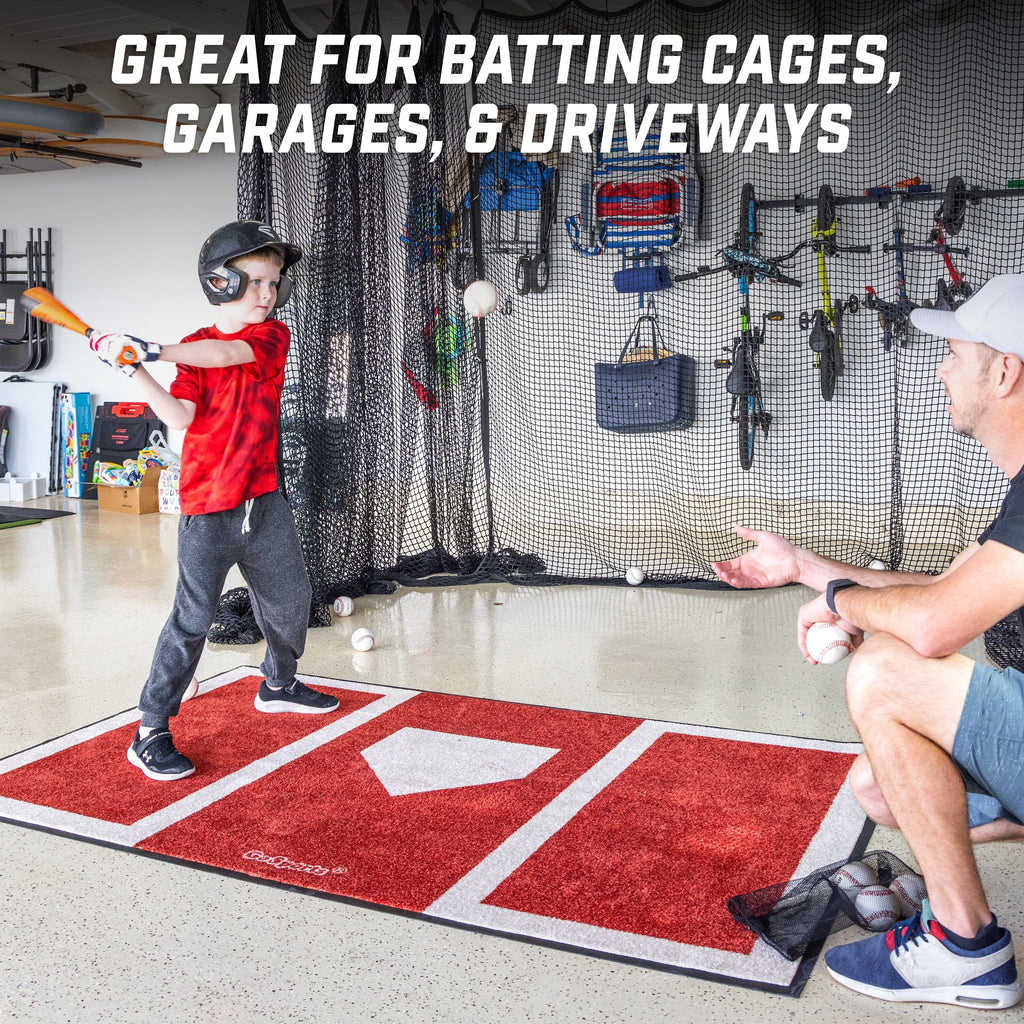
934 723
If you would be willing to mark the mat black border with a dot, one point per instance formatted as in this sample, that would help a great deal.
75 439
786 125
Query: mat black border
794 989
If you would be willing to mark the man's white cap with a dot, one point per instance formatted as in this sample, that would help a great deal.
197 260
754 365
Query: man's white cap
993 316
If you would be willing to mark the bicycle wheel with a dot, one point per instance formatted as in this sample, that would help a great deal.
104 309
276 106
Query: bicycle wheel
746 430
827 369
837 349
954 205
746 232
826 208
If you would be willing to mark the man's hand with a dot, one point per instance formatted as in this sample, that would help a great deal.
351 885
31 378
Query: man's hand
818 611
773 563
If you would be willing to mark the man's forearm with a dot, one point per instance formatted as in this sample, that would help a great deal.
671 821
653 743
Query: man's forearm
816 571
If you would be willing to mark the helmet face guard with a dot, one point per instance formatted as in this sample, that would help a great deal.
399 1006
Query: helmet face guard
232 241
235 283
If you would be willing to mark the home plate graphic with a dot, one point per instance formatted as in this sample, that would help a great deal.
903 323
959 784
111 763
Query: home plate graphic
607 835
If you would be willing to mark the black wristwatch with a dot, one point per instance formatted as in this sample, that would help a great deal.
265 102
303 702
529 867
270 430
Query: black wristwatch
833 588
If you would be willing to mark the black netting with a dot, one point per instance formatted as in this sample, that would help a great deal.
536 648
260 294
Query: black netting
235 621
792 916
419 446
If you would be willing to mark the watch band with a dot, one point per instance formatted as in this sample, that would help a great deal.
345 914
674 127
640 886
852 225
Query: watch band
834 586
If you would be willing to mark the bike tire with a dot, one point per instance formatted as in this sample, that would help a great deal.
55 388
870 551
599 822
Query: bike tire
746 431
746 233
837 336
827 373
954 205
826 208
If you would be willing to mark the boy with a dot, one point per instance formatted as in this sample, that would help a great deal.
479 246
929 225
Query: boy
227 397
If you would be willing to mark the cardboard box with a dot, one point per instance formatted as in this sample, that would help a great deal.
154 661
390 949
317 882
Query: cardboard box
137 501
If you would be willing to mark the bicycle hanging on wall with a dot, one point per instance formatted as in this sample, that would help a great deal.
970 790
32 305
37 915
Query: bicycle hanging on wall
826 322
743 383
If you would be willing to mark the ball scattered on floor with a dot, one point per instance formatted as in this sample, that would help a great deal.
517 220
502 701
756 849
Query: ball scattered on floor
634 576
343 605
362 639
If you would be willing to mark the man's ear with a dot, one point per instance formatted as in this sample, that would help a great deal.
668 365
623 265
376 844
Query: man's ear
1011 373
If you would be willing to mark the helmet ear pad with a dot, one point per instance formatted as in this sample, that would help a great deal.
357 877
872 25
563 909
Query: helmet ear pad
235 283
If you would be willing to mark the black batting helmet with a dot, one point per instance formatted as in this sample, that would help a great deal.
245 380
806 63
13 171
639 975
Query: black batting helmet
240 238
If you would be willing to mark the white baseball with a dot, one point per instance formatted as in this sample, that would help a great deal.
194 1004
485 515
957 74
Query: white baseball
480 299
343 605
855 876
634 576
362 639
910 892
878 906
876 563
827 643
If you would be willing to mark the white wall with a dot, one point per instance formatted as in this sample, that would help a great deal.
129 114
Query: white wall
125 244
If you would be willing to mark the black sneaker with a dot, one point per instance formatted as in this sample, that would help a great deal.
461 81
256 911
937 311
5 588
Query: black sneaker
157 757
295 696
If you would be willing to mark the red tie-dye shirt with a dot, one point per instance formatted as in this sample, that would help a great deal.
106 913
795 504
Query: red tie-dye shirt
230 449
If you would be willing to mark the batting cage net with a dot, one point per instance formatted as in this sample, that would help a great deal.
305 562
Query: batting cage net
706 228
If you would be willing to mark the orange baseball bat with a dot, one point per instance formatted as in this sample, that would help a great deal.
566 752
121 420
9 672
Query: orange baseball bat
43 305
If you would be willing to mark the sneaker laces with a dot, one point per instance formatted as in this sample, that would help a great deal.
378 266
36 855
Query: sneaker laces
907 933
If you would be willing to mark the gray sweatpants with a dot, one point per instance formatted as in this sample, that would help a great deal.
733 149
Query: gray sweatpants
270 559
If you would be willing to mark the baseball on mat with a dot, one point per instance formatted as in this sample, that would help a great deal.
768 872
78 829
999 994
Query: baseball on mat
343 605
634 576
827 643
480 299
878 906
362 639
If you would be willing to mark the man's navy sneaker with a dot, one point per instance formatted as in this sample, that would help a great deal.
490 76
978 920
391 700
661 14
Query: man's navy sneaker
914 962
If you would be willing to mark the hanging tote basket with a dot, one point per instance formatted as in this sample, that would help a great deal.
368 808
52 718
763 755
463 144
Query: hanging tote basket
648 388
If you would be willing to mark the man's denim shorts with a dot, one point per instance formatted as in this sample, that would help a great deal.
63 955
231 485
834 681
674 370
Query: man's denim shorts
989 744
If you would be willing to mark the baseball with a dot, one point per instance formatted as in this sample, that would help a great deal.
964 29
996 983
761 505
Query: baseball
634 576
876 563
827 643
910 892
362 639
480 298
343 605
855 876
878 906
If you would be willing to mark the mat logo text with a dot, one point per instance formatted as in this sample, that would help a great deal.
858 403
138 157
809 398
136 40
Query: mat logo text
284 864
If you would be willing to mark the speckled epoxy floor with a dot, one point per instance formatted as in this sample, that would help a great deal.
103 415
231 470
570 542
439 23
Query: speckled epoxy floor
90 934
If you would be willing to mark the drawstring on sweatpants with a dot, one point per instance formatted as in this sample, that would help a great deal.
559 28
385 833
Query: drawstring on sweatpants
248 509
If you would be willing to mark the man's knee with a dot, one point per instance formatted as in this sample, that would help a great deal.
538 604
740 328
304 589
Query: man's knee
869 796
872 680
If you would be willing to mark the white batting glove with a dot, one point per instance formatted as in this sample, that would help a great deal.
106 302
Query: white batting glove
123 351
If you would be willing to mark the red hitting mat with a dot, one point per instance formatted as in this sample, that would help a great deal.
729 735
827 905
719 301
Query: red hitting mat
613 836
